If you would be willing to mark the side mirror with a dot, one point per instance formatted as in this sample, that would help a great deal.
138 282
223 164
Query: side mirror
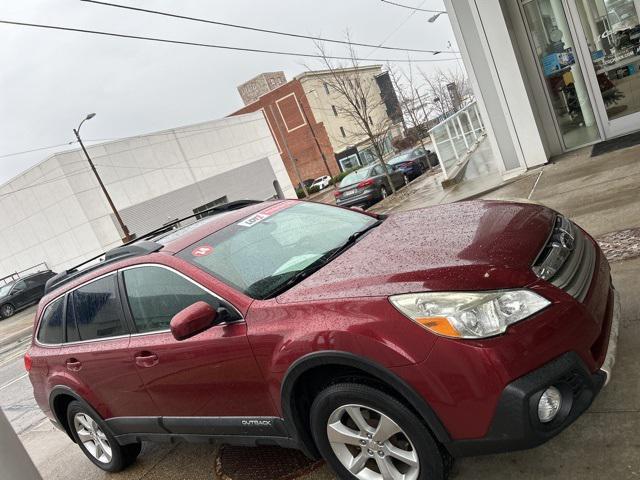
193 320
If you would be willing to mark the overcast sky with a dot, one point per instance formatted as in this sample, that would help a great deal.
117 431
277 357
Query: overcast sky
50 80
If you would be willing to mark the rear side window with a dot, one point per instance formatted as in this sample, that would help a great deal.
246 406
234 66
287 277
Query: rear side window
51 324
156 294
97 310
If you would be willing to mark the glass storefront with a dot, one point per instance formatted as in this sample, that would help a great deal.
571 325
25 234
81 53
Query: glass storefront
554 48
613 35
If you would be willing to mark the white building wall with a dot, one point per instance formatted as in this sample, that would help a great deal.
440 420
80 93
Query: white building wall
56 212
41 220
489 55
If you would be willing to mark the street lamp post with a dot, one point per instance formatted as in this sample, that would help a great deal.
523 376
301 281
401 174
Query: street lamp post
127 236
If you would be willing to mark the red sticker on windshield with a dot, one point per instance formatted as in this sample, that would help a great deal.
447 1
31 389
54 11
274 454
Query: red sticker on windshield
202 251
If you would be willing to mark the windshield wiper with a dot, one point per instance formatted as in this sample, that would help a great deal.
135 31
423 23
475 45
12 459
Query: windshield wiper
322 261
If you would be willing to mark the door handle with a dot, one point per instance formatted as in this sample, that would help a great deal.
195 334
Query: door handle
147 359
73 365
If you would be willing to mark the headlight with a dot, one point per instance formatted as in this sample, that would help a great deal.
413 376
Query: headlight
469 314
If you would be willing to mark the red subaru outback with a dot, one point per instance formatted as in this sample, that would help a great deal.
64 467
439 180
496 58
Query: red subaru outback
387 345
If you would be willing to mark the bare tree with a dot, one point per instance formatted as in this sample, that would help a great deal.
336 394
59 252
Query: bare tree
446 90
360 102
414 111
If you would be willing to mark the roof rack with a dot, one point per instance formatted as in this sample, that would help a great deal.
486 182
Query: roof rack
118 253
141 245
226 207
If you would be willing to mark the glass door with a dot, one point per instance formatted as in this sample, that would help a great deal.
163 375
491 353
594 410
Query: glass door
552 41
611 42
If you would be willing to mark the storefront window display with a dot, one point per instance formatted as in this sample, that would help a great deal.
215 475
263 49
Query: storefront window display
553 45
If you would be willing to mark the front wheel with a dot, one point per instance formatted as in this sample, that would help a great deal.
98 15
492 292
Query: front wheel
365 434
7 310
96 441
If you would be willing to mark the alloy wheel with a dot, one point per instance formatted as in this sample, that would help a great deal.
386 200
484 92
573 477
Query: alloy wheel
371 445
92 437
7 311
383 192
406 180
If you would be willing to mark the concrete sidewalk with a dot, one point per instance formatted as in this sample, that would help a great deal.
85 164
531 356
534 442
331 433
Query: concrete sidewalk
602 195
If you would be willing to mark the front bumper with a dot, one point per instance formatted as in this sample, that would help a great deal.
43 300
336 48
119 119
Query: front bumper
515 424
612 347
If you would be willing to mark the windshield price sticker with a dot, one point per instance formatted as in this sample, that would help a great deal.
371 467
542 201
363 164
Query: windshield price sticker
202 251
253 219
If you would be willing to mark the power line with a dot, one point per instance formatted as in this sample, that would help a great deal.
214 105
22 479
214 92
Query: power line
6 155
254 29
210 45
143 135
395 30
172 166
417 9
44 182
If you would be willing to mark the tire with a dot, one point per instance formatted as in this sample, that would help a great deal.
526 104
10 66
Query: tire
405 179
94 431
383 193
7 310
367 455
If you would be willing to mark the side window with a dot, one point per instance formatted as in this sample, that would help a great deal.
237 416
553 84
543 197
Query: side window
32 282
97 309
417 152
50 330
19 286
377 170
156 294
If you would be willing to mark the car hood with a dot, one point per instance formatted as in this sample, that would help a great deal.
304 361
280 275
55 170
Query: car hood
479 245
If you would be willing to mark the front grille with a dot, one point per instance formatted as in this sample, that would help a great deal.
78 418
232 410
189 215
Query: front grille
568 259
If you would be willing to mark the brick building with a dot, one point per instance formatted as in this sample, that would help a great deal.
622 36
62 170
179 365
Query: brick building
288 114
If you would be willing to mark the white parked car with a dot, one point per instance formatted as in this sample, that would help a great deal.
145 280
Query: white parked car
321 182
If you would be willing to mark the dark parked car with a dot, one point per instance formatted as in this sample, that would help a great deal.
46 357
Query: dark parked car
413 163
368 185
22 293
382 344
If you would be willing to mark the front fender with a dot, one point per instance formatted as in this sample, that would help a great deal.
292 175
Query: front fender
295 425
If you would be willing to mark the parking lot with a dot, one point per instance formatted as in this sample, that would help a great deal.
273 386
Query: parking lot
601 444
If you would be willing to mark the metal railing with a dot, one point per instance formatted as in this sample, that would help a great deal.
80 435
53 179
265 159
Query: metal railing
12 277
457 136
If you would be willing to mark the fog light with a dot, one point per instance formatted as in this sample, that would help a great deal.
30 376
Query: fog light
549 405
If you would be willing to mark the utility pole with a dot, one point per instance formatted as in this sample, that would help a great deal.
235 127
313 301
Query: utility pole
286 146
127 236
324 159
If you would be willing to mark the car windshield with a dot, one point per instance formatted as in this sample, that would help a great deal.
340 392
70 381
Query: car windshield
5 289
400 158
267 250
355 177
